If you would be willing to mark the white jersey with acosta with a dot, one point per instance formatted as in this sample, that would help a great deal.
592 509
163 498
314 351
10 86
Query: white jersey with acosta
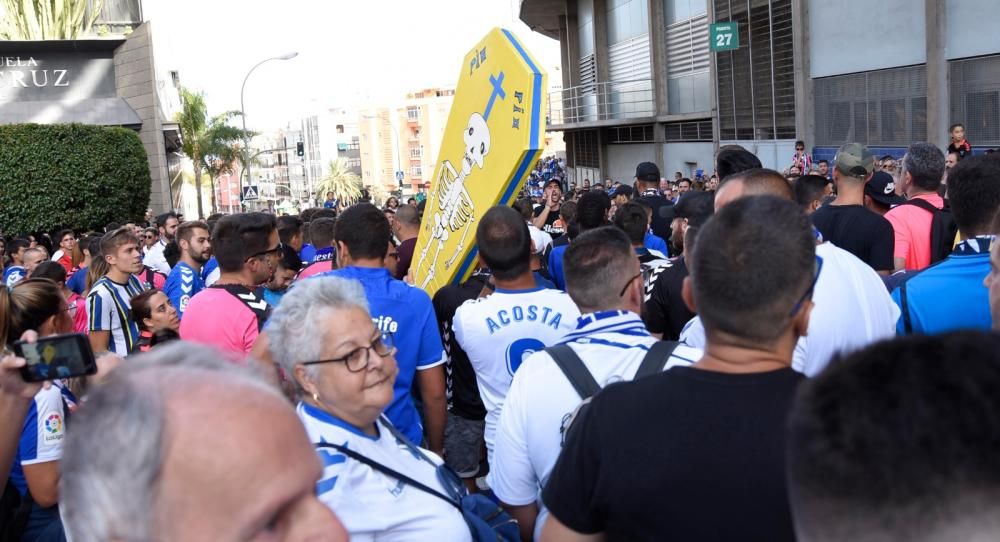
372 505
541 401
852 310
500 331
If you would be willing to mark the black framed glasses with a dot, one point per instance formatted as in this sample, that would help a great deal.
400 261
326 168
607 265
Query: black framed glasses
357 360
812 287
629 283
276 251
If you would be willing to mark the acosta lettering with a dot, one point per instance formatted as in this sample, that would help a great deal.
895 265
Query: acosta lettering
530 313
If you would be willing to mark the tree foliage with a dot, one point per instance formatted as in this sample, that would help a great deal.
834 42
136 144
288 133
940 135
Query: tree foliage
344 183
211 144
46 19
70 175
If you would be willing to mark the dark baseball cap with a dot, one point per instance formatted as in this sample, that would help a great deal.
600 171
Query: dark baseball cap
648 172
882 188
556 182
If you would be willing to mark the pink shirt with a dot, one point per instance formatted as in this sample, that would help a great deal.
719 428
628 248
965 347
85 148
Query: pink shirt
315 268
80 317
216 318
912 227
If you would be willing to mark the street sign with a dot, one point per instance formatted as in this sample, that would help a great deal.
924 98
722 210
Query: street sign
492 140
724 36
250 193
399 176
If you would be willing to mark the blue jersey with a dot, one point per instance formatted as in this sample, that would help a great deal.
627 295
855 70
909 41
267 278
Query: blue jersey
13 275
78 281
407 313
184 281
655 242
42 433
210 267
556 266
948 295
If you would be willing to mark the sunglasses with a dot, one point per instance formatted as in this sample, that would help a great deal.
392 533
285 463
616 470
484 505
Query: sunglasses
276 251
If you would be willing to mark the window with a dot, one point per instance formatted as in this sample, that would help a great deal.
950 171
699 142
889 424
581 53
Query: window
687 65
630 134
975 98
756 92
689 131
585 148
415 172
412 113
877 108
415 153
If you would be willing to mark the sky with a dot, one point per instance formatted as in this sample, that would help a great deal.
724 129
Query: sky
351 53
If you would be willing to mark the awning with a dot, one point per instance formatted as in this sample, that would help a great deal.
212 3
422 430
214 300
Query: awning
96 111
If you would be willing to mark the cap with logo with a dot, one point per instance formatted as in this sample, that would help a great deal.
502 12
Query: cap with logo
854 160
882 188
647 172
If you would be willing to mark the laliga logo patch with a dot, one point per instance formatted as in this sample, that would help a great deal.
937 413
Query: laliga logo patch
185 299
53 428
889 188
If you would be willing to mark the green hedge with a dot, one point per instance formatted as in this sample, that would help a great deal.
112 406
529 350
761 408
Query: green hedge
70 175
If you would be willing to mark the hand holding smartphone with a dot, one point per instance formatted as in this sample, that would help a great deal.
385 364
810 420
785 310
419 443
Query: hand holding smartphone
58 356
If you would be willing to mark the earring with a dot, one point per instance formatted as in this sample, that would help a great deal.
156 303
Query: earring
316 397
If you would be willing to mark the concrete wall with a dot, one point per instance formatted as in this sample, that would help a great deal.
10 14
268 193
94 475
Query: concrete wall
774 154
622 159
680 156
970 28
849 36
135 82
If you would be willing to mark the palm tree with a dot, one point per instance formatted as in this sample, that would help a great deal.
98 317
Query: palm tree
210 144
46 19
345 184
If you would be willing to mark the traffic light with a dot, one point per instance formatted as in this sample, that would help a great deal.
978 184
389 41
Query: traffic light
300 149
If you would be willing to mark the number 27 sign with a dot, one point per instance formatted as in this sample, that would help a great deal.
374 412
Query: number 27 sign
724 36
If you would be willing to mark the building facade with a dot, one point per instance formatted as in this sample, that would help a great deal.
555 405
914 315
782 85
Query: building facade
640 82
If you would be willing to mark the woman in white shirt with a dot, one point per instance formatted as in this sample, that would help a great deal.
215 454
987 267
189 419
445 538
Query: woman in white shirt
343 368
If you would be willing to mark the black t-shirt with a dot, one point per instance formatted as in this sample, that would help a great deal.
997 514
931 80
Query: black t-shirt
460 378
665 311
660 224
861 232
548 227
687 454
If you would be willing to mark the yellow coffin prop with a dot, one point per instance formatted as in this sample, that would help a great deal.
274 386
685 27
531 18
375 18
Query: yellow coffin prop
494 137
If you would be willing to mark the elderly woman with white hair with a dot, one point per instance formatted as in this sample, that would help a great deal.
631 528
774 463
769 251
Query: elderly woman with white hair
378 483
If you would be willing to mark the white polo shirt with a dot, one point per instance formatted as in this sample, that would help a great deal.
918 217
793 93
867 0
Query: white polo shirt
541 400
852 309
500 331
376 506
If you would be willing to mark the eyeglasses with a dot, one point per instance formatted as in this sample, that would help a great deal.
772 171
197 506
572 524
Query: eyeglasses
629 283
149 237
798 304
800 148
357 360
276 251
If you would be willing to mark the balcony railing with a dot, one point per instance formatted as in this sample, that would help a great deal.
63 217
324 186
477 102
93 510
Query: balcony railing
609 100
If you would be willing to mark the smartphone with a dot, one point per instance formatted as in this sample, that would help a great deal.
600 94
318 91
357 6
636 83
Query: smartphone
57 356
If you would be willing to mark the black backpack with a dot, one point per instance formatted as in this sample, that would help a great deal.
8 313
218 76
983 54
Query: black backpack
584 383
943 228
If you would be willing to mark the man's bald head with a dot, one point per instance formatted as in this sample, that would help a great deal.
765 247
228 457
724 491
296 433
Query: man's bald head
178 442
753 182
408 216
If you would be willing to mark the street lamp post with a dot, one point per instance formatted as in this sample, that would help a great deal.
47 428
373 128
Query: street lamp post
243 111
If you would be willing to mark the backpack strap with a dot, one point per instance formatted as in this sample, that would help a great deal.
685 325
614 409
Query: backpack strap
388 471
656 358
576 372
923 204
905 307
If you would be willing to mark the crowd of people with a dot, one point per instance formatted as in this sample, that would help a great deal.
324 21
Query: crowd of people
749 355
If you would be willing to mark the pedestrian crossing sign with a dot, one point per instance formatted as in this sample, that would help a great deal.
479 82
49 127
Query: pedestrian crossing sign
250 193
493 138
